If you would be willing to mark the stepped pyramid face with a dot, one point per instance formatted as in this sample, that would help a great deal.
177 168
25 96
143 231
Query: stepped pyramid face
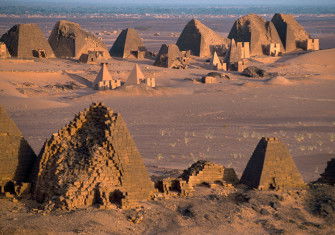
290 31
27 41
92 161
16 156
126 42
328 176
215 59
68 39
254 29
199 39
103 75
169 56
136 76
271 167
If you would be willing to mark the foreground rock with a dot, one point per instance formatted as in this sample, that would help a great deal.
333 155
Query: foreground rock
254 72
92 161
68 39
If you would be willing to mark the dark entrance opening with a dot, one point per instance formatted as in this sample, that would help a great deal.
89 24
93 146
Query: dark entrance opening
116 197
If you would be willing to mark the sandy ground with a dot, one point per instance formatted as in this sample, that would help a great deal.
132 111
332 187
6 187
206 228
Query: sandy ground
177 123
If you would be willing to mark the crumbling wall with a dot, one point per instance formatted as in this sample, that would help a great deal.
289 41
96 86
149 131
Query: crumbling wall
92 161
169 56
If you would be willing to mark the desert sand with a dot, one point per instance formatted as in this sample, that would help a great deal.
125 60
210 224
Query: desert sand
178 123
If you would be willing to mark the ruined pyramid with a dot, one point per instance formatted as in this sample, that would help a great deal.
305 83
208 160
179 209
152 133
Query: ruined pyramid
136 76
290 31
27 41
169 56
232 55
16 156
328 176
271 167
92 161
127 42
199 39
256 30
68 39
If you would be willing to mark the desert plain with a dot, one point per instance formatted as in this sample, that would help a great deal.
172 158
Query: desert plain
179 122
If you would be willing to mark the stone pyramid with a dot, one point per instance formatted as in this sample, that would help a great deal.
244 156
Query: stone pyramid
290 31
271 167
103 75
127 42
16 156
169 56
136 76
68 39
232 55
92 161
27 41
215 60
256 30
328 176
199 39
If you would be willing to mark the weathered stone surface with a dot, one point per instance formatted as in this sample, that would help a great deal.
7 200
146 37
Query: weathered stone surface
127 43
27 41
328 176
92 161
271 167
169 56
254 29
290 31
68 39
92 57
16 156
200 39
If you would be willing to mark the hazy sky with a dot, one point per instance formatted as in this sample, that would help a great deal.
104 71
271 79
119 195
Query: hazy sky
189 2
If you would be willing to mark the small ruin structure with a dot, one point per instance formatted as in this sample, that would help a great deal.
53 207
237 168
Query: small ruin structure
200 39
128 44
69 40
169 56
310 45
16 156
136 77
93 160
271 167
104 80
328 176
274 49
27 41
255 30
4 54
92 57
200 172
